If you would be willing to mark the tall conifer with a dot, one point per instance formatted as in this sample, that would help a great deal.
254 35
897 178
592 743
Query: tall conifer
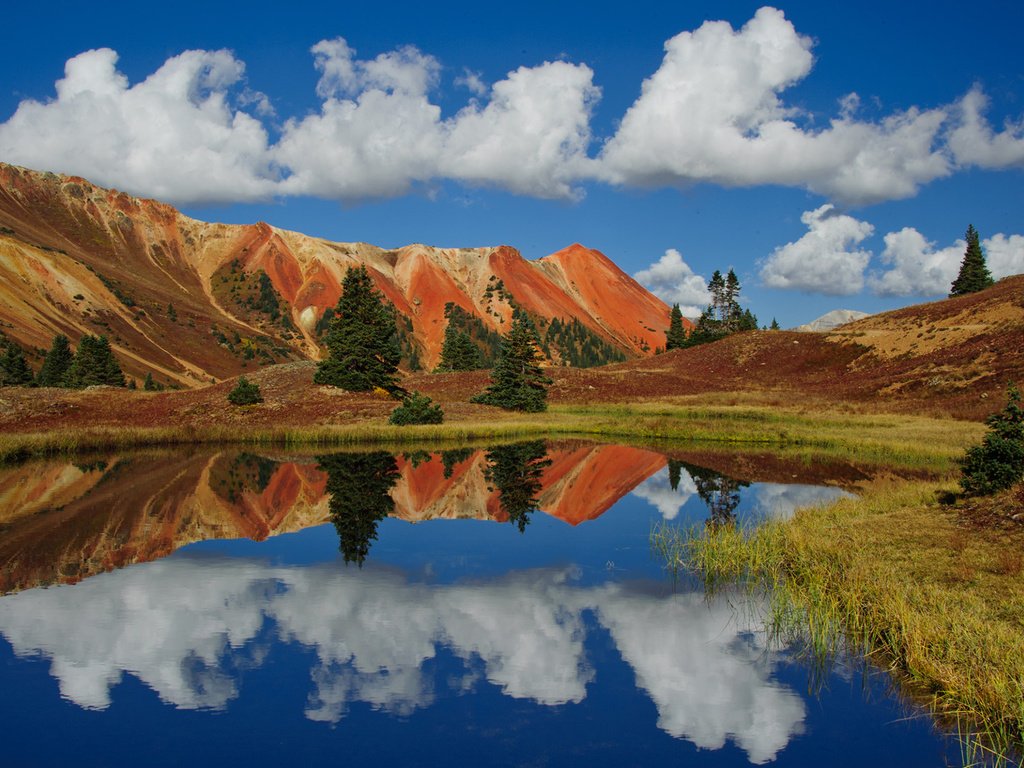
362 339
974 274
517 381
56 364
675 336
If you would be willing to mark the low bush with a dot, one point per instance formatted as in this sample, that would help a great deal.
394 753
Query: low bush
417 408
245 393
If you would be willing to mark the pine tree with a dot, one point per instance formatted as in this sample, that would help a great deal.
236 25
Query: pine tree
515 472
360 486
149 385
94 364
774 326
675 336
974 274
245 393
57 363
362 339
14 371
998 462
458 352
517 381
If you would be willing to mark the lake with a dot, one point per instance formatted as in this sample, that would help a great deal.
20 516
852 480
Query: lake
493 605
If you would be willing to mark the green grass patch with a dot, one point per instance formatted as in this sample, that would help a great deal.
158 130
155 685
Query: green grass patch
899 577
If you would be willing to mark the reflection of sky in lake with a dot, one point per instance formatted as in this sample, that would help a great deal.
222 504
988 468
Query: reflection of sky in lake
762 500
460 641
183 625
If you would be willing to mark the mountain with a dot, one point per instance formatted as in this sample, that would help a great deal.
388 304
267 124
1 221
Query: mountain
63 521
190 301
831 320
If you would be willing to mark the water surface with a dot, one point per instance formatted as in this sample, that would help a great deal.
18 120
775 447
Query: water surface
488 606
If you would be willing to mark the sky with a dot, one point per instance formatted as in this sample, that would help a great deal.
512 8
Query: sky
831 154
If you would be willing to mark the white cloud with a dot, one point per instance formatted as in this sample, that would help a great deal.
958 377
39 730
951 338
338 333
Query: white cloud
183 624
473 82
532 136
917 267
175 136
973 141
712 113
823 260
673 281
658 492
776 500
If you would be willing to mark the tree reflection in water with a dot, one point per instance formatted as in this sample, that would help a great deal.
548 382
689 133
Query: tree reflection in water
359 485
515 471
719 492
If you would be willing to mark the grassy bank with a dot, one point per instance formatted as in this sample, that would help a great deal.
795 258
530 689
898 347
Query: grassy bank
923 588
898 440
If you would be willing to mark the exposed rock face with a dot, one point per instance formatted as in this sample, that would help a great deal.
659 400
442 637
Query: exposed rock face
81 259
831 320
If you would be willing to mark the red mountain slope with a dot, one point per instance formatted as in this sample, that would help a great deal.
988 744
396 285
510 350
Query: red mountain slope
181 298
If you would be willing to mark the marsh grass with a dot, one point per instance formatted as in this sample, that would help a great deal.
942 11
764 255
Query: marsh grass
894 577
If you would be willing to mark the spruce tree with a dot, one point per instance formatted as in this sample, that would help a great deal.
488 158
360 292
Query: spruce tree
362 339
774 326
675 336
458 353
998 462
57 363
14 371
245 393
94 364
360 486
515 471
517 381
974 275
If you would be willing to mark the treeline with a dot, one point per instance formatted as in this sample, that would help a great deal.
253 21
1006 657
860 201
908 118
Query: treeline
94 363
722 317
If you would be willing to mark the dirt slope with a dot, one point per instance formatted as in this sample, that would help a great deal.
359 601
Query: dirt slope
180 298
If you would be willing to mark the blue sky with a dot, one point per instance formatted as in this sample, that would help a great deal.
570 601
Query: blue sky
833 155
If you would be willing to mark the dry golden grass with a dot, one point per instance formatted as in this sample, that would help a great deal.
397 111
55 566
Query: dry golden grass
931 595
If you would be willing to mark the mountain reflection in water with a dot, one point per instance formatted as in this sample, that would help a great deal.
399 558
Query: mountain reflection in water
186 627
301 597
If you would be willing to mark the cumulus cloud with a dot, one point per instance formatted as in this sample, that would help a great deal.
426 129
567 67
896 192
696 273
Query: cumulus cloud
176 135
825 259
973 142
658 492
378 133
673 281
777 500
917 267
712 113
184 624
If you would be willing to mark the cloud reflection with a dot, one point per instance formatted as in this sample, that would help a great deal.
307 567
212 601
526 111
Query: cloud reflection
185 626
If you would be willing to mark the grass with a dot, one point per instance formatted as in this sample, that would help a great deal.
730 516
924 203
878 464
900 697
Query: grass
894 440
897 576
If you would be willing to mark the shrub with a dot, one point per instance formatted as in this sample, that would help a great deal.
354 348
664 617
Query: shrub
998 462
417 408
245 393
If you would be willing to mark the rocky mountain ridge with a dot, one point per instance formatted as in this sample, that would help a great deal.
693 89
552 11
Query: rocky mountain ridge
190 301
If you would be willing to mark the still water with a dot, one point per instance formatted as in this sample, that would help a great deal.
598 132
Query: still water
496 606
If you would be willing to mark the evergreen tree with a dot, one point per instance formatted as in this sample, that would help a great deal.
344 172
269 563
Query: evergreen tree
974 274
57 363
245 393
998 462
359 485
458 353
675 336
417 408
149 385
774 326
517 381
362 340
14 371
94 364
515 471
